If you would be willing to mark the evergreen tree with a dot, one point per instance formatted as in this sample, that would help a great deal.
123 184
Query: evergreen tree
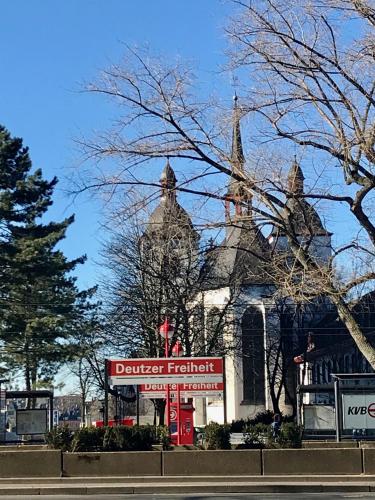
41 306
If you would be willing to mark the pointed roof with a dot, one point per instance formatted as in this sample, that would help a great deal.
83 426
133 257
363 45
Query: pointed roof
240 260
242 257
295 178
237 161
237 156
304 217
168 177
169 215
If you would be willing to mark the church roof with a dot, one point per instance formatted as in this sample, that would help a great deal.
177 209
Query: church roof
168 212
240 260
169 215
303 216
242 257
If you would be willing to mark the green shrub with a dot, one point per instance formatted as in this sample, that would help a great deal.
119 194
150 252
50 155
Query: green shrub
217 437
125 438
88 439
59 438
256 436
163 437
111 439
263 417
238 425
138 437
290 435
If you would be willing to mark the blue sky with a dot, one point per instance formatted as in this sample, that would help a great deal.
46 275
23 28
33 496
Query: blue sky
50 47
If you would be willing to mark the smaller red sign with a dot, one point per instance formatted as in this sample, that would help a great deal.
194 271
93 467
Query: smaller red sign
371 410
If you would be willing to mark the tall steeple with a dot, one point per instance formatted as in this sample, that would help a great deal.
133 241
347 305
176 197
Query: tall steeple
295 178
168 181
237 157
304 218
235 193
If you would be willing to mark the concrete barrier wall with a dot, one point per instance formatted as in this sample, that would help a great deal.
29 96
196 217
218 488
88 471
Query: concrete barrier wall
52 463
212 462
368 460
43 463
128 463
312 461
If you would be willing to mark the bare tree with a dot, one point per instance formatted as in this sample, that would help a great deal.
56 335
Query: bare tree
311 86
85 376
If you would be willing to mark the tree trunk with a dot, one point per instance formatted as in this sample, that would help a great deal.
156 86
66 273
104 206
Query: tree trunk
362 342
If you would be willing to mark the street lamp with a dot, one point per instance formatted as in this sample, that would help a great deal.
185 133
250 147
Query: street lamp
167 330
178 351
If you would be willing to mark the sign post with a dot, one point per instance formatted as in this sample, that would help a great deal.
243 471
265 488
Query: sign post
178 351
105 413
166 331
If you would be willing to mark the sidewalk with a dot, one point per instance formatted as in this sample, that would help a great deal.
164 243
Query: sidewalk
195 484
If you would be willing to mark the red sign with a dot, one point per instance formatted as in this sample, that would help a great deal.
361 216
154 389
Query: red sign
164 370
187 390
371 410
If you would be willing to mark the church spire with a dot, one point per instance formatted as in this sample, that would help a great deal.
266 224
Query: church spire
295 178
237 157
168 181
235 193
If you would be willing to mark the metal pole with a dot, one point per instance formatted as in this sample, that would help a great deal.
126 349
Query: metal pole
178 416
167 403
298 403
338 410
105 415
225 392
137 409
3 430
51 411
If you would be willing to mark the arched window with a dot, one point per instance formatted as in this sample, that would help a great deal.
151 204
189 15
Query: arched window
253 357
215 332
318 374
313 374
329 371
324 372
197 330
341 366
346 364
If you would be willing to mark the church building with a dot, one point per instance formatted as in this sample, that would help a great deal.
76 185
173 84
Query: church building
235 282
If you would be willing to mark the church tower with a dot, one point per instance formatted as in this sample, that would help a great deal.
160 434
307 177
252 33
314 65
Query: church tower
169 224
238 202
303 219
237 280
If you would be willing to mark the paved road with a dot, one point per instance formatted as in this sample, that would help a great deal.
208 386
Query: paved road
203 496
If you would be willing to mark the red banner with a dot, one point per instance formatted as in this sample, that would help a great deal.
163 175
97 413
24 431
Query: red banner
164 370
188 390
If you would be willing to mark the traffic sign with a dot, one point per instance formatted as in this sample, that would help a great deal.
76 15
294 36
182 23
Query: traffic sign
164 370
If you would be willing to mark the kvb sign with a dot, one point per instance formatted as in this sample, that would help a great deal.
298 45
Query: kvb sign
164 371
358 411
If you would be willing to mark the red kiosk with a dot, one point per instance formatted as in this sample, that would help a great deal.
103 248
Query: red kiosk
180 420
